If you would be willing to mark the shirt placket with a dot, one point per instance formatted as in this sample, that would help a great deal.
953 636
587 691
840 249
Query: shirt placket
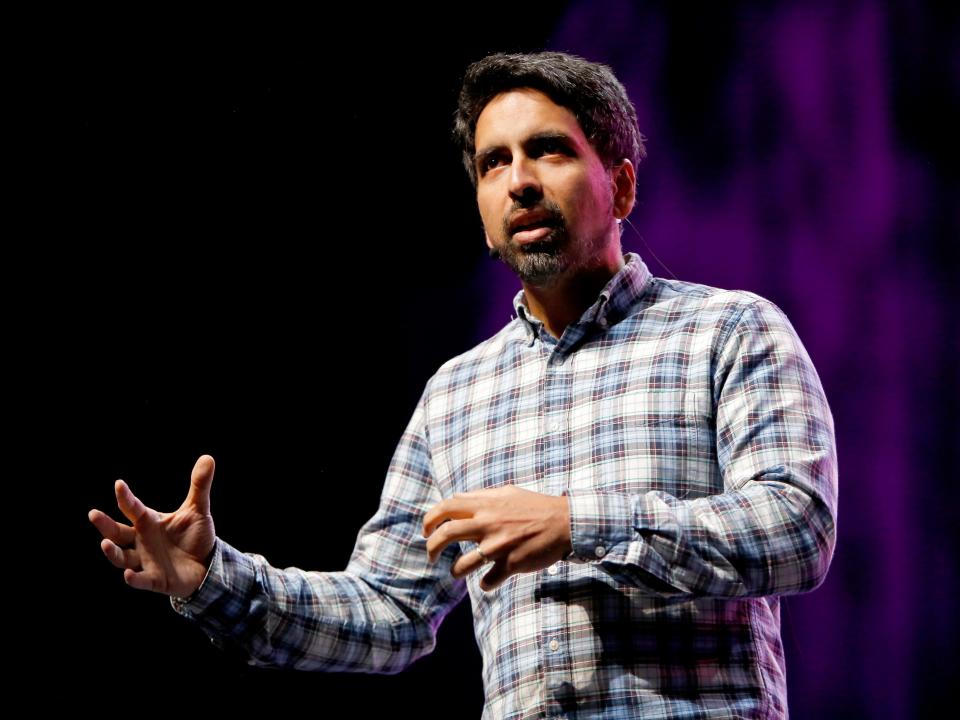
554 465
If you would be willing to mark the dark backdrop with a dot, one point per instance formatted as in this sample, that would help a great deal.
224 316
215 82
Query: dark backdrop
252 237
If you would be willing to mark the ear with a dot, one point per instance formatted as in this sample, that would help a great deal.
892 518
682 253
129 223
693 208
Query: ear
624 185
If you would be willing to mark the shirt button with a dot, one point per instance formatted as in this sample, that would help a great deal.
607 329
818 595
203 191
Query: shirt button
553 569
554 645
555 425
600 551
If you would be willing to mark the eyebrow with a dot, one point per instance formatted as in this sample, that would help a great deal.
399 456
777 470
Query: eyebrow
482 155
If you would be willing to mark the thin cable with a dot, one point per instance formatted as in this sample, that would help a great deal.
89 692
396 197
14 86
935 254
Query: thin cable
650 249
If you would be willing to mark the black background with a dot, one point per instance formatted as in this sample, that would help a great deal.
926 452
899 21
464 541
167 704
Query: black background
265 247
249 235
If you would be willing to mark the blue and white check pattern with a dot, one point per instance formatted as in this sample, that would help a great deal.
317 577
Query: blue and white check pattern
691 434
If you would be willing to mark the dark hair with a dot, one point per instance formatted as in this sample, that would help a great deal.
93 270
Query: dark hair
589 90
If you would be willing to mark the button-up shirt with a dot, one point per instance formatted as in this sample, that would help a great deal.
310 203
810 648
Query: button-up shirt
690 433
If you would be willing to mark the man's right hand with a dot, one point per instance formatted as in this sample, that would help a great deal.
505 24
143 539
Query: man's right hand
163 552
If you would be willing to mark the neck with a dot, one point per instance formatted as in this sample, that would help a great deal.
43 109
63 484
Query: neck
566 298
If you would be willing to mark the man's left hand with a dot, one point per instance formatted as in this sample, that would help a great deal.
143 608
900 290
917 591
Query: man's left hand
517 530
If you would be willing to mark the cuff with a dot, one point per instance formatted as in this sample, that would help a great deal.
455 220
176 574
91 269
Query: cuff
598 522
230 572
181 604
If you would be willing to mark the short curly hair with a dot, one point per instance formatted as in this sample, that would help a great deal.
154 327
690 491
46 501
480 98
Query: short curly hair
589 90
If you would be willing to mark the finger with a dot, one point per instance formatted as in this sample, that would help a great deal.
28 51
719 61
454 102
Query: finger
200 480
129 504
452 508
452 531
139 580
469 562
111 529
497 574
119 557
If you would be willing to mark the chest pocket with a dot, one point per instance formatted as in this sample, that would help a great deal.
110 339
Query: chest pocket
643 440
648 408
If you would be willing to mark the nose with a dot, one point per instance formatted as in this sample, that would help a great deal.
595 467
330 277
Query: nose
524 183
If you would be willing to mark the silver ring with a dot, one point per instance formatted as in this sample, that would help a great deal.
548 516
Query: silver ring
482 556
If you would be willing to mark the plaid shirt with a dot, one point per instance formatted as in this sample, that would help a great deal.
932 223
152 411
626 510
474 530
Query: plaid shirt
690 432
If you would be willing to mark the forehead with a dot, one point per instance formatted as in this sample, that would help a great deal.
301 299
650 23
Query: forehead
516 114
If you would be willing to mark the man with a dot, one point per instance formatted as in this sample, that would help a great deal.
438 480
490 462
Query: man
637 467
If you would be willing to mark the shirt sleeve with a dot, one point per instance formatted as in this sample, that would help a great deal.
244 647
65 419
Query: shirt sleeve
772 529
378 615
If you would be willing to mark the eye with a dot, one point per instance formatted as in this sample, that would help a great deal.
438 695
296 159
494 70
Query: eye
489 162
553 147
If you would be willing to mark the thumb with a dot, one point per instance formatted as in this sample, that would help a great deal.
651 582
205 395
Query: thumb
200 480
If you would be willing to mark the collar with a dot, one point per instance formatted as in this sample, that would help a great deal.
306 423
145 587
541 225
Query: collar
616 298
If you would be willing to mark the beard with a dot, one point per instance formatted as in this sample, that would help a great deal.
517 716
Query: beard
542 262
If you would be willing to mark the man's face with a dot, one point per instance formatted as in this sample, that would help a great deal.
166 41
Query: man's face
545 198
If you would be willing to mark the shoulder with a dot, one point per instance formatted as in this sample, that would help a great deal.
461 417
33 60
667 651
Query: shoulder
484 354
697 296
727 321
463 372
743 327
704 309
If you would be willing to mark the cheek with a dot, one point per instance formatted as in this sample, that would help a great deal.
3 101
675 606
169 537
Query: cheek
492 228
594 204
490 218
584 202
